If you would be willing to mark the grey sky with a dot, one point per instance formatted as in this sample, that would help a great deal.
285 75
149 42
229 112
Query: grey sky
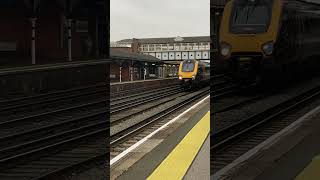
154 18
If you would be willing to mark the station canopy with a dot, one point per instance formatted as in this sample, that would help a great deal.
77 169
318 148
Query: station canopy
125 55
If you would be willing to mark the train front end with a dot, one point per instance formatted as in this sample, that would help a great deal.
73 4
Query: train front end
188 72
248 34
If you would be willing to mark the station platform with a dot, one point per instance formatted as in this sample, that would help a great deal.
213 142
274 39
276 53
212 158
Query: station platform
179 151
293 155
150 83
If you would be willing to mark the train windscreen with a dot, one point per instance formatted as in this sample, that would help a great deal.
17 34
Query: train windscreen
188 66
251 16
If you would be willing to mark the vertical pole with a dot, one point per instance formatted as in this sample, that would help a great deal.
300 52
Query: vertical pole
131 71
163 71
120 74
33 40
120 78
69 40
144 73
97 35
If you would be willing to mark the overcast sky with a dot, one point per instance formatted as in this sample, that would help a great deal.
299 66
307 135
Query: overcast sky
159 18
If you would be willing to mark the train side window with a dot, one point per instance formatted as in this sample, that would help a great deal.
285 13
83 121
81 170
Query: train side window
207 69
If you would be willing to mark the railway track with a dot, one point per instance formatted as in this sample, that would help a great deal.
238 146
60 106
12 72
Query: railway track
68 132
128 136
62 137
219 80
144 91
124 103
117 118
29 103
235 105
229 88
224 87
41 143
232 141
136 91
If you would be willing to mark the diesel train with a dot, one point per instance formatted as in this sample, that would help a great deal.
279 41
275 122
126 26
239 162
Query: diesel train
194 73
261 38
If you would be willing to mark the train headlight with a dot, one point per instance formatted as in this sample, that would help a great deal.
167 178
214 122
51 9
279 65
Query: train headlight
268 48
193 77
180 77
225 49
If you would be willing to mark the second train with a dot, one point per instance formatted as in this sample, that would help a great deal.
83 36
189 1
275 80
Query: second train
194 74
260 39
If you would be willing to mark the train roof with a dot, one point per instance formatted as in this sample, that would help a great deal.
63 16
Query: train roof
204 63
200 61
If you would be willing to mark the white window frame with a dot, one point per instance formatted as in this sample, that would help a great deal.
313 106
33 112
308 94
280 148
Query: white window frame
164 47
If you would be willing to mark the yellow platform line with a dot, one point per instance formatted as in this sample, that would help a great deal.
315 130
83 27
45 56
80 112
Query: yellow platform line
179 160
312 171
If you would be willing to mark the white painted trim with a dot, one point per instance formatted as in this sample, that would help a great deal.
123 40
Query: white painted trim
124 153
264 145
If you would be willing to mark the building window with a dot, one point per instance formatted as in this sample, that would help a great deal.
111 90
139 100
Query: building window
202 46
145 47
158 47
151 47
207 46
164 47
190 46
170 47
177 47
184 47
195 46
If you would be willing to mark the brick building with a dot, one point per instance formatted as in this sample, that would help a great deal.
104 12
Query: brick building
128 66
45 31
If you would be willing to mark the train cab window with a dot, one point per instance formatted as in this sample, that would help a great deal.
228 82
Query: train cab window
188 66
251 16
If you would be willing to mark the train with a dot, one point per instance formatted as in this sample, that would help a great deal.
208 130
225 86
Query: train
260 39
194 74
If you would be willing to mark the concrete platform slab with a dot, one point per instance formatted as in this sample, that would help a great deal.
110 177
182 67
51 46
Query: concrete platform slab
167 139
200 168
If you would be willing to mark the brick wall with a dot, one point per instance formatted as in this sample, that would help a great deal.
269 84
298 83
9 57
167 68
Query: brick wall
16 27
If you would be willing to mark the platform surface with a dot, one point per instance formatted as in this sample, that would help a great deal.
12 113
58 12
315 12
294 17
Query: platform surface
184 154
